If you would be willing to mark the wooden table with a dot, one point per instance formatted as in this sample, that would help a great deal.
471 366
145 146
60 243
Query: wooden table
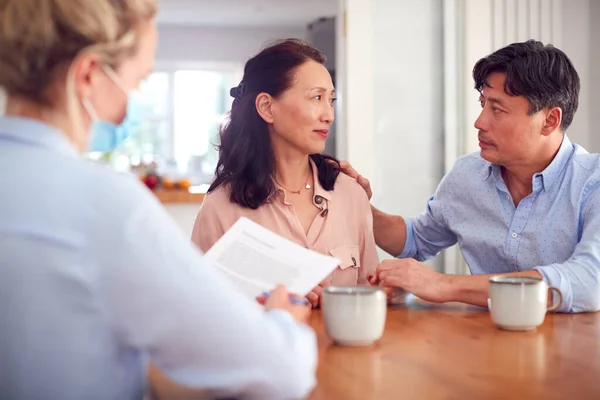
453 351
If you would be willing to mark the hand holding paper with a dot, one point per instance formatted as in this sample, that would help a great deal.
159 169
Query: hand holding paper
256 260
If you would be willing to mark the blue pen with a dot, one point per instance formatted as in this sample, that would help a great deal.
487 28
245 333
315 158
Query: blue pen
294 300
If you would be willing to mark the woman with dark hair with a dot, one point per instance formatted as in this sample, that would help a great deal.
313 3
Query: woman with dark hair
270 169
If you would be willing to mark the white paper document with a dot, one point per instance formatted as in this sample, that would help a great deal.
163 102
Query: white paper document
256 259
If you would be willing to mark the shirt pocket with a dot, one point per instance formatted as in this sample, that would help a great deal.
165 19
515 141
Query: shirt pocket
347 271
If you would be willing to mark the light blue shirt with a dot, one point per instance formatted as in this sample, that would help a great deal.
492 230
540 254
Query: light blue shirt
96 279
555 230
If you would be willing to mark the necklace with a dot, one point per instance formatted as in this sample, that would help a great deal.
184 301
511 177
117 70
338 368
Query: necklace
306 185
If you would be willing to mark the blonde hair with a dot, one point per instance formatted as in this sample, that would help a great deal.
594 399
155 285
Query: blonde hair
39 38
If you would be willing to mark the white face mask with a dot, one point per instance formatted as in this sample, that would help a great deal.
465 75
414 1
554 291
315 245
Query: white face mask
106 136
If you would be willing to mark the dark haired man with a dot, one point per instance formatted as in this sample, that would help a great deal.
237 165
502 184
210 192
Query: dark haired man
527 204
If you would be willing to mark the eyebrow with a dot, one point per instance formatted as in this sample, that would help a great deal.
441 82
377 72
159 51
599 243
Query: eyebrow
322 89
493 100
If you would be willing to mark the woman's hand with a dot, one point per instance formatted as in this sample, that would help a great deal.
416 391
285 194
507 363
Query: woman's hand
314 296
280 298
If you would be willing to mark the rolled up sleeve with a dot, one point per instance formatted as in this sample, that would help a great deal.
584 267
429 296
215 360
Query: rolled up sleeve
578 278
428 234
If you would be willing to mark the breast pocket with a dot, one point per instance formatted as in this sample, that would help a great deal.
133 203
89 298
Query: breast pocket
347 271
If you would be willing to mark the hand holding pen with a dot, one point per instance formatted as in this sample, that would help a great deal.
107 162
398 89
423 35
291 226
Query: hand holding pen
280 298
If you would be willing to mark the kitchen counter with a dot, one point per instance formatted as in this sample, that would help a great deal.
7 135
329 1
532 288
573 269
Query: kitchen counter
193 195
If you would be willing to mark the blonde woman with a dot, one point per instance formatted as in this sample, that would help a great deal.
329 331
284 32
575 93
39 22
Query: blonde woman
95 279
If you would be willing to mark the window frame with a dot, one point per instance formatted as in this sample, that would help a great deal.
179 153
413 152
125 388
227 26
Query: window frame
234 69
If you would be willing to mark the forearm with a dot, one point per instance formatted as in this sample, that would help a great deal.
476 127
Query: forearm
474 289
389 231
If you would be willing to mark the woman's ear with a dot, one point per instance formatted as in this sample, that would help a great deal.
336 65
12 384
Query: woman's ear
86 69
264 107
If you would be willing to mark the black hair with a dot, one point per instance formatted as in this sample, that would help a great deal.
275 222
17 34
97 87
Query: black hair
246 161
542 74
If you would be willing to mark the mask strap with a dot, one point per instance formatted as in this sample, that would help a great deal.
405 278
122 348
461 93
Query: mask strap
90 109
114 77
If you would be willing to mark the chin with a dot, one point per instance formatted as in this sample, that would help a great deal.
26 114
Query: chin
315 149
489 156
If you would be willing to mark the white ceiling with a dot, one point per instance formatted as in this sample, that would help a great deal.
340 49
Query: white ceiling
244 13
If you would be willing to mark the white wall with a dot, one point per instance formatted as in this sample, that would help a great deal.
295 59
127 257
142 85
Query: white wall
394 99
217 45
577 43
408 103
594 75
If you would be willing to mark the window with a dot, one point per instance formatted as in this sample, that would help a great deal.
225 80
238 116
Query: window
186 107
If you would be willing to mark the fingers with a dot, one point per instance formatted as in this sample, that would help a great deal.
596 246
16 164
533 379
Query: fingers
325 282
352 173
280 298
389 292
389 265
313 299
348 170
301 312
262 299
373 279
391 282
318 290
279 294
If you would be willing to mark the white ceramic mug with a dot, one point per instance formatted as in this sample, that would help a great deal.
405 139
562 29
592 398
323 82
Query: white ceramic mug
354 315
519 303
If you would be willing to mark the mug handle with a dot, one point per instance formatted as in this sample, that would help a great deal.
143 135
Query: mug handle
558 294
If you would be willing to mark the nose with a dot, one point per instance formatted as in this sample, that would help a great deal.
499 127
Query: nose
328 114
480 123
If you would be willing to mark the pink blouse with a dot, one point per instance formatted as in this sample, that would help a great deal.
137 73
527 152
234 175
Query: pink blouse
343 228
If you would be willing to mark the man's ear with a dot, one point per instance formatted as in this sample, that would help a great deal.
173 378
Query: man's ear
552 121
264 107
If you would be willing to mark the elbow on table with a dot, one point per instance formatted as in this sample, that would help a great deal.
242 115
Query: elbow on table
588 301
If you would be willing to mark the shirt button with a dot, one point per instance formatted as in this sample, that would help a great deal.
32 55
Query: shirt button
514 235
508 197
325 212
318 199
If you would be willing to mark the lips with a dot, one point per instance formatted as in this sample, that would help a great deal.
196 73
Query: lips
322 132
484 143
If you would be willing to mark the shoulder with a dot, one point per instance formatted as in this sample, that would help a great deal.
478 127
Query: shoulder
216 215
467 169
585 173
120 201
470 165
217 196
114 190
348 191
217 208
112 204
584 161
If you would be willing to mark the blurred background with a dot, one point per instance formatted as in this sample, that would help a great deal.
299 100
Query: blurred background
402 69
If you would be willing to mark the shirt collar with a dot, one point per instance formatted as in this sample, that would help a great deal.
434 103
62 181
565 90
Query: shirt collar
36 133
553 171
318 189
550 173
